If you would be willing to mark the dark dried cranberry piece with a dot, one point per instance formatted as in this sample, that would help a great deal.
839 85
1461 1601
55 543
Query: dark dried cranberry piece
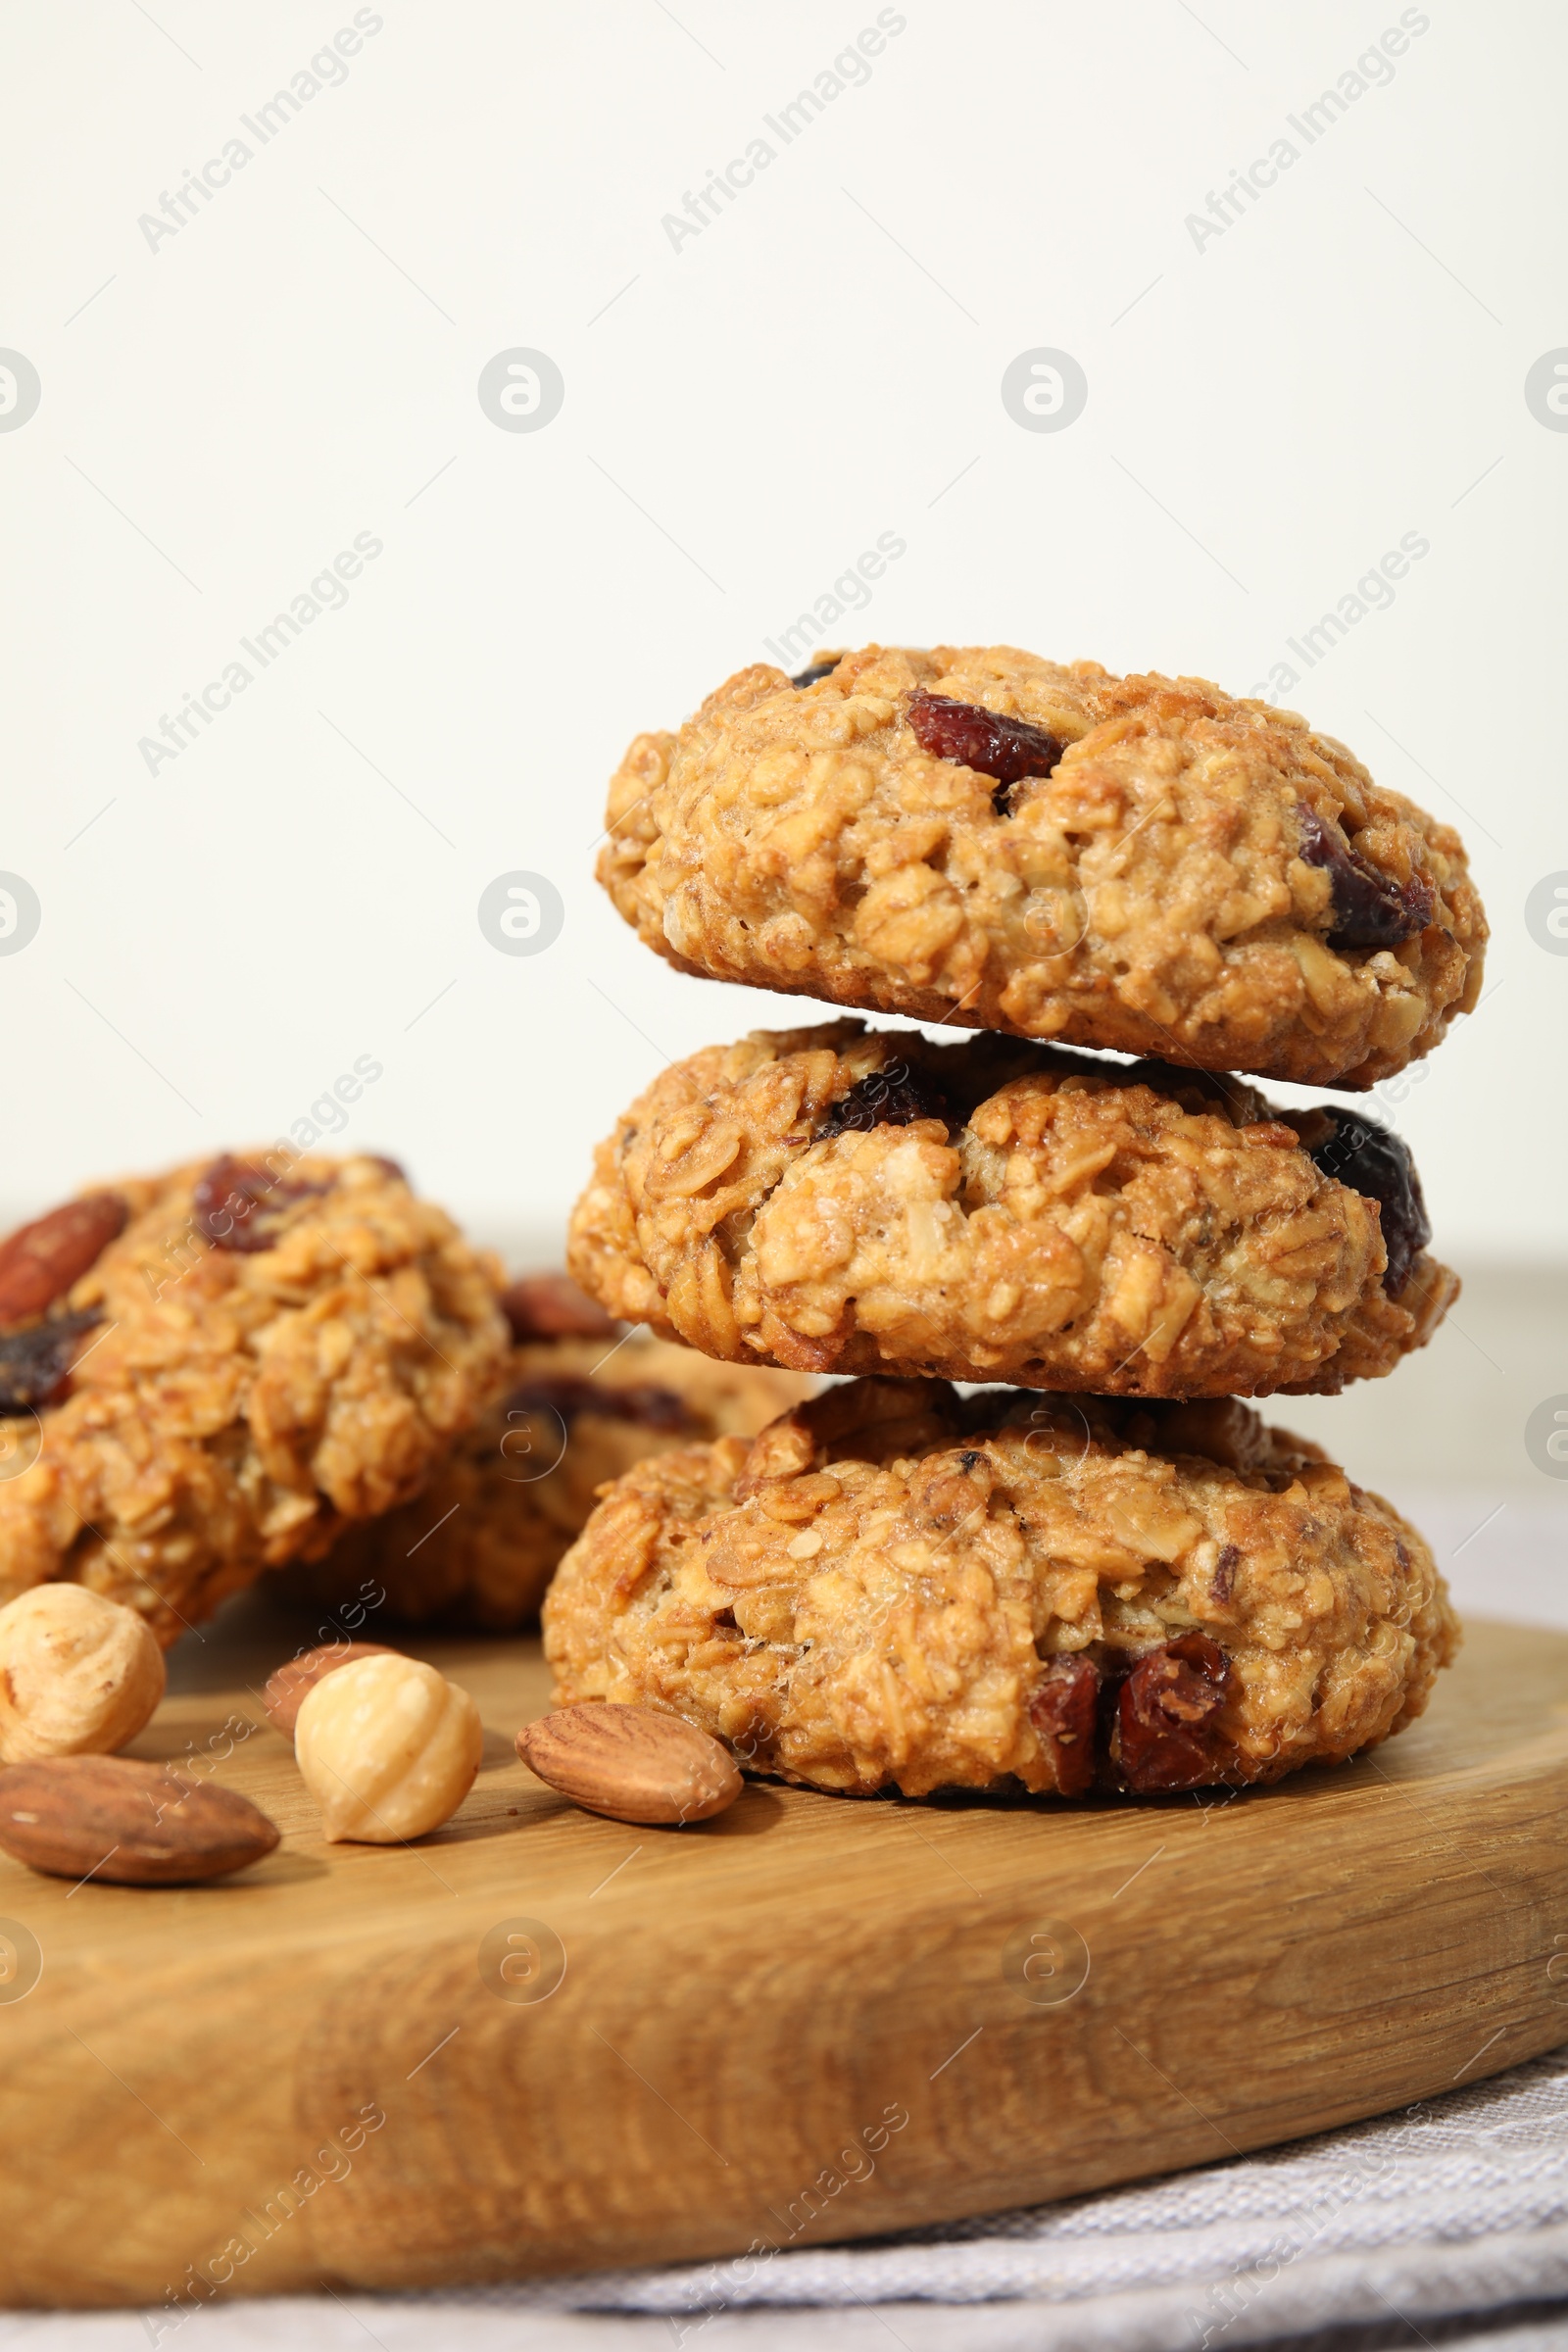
1166 1734
1377 1165
894 1096
40 1261
35 1365
237 1205
1008 749
647 1404
818 670
1370 908
1223 1581
1061 1709
642 1402
549 1306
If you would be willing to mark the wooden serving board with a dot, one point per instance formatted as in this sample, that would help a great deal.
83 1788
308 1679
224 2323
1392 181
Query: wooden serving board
813 2018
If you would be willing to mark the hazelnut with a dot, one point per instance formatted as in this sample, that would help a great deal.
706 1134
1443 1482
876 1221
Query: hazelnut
79 1675
388 1747
284 1694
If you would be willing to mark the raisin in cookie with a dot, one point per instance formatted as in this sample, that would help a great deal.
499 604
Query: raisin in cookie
839 1201
207 1373
978 836
580 1404
896 1587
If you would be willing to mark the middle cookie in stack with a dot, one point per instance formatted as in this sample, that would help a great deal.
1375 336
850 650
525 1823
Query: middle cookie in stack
896 1587
839 1201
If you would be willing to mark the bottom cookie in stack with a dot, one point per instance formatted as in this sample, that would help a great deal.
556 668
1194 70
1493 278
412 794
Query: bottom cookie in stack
580 1404
894 1587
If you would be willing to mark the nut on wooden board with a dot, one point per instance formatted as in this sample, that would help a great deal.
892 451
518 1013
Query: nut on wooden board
79 1673
288 1689
137 1824
632 1763
388 1747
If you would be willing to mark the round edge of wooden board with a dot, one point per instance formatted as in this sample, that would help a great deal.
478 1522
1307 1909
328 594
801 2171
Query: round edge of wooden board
590 2045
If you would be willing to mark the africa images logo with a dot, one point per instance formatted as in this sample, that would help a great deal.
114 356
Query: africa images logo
851 70
327 69
1373 69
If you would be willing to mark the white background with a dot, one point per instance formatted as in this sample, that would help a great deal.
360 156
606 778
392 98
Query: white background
1266 416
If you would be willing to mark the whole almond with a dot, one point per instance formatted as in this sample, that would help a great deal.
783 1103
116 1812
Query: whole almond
40 1261
288 1689
633 1763
140 1824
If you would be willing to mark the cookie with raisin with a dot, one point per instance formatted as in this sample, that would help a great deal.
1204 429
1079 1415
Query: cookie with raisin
898 1588
581 1401
210 1372
976 836
834 1199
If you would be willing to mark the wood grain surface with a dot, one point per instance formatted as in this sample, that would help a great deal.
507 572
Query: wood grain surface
812 2018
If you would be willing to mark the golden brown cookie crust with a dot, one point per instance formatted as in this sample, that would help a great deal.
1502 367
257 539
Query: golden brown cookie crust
234 1409
482 1541
1141 1232
1150 895
893 1587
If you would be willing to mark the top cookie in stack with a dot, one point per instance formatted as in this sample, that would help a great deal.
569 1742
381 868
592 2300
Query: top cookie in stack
982 839
978 837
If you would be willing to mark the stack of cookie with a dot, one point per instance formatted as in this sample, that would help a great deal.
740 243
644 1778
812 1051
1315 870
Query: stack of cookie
1104 1571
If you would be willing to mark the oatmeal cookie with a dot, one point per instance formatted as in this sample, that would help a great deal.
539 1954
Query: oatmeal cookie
205 1373
973 835
842 1201
580 1403
896 1587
